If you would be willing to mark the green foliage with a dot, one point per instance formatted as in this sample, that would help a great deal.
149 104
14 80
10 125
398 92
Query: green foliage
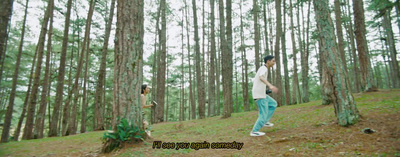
124 133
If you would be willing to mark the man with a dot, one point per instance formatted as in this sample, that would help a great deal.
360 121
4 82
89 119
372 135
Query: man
266 104
144 92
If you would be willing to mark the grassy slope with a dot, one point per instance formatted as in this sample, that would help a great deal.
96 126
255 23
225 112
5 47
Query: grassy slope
300 130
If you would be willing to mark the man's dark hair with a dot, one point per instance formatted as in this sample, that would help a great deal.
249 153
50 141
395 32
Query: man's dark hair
268 58
144 86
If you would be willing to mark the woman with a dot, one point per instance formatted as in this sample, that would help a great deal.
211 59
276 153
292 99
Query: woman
144 92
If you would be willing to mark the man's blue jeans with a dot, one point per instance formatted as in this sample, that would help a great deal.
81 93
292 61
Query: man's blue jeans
266 108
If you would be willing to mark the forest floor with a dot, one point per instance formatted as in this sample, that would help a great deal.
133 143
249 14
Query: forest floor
308 129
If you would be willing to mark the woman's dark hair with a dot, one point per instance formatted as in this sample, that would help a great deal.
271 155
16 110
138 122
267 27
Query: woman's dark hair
144 86
267 58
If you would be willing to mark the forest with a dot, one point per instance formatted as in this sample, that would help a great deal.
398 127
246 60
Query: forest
71 67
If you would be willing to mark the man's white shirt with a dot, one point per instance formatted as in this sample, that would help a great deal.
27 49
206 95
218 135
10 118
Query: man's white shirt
260 87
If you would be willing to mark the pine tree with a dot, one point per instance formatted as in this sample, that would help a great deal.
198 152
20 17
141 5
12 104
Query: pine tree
344 104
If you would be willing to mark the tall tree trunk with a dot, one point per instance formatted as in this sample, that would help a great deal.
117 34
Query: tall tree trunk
71 126
182 106
217 77
28 130
339 32
256 34
397 6
200 81
102 73
295 77
363 53
50 74
72 59
236 86
128 62
74 91
384 59
271 42
167 104
350 32
10 107
285 60
61 73
304 59
21 118
301 52
161 67
228 59
227 95
39 122
267 52
278 79
5 17
211 72
155 64
345 106
191 84
203 67
244 64
327 90
387 25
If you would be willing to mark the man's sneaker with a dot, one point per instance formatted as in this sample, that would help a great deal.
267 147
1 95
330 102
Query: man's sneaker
257 133
268 124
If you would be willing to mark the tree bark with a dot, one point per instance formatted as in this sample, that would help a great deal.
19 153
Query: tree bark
182 105
199 77
128 70
227 58
227 95
217 77
10 108
161 67
61 74
203 67
155 63
74 91
28 130
285 60
363 53
301 52
327 89
256 35
295 77
267 52
397 6
339 32
383 45
387 25
304 59
350 32
5 17
192 113
101 78
278 79
211 73
21 118
167 93
344 104
39 122
244 64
